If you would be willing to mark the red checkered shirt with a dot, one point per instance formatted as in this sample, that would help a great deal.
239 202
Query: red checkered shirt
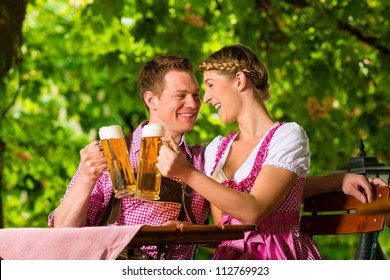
135 211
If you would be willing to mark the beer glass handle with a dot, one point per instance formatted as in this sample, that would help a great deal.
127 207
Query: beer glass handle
115 166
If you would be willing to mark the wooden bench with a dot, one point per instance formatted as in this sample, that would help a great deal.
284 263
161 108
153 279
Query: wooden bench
336 213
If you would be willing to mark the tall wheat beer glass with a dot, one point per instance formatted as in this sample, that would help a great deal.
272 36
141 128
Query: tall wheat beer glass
148 176
117 156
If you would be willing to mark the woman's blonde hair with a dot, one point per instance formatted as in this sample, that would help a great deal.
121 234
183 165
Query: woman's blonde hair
235 58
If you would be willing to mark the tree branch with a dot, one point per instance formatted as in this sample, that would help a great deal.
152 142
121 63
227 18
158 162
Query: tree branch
372 41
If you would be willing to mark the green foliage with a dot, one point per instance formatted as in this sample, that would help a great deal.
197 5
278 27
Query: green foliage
329 63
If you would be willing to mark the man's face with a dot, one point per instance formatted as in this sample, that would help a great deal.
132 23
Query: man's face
179 104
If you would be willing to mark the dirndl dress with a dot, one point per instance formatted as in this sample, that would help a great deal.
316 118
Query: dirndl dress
278 236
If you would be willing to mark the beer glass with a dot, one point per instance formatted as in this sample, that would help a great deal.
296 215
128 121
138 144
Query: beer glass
117 156
148 176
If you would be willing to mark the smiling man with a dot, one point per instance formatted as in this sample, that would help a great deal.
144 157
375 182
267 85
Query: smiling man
169 89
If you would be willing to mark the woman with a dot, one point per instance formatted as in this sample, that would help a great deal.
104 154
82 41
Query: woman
257 174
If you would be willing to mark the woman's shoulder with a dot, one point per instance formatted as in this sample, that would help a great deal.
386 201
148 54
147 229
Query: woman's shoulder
292 126
289 149
290 131
289 137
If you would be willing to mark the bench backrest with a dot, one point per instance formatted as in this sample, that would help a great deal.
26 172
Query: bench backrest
336 213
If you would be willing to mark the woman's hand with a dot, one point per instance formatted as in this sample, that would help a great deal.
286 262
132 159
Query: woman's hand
171 161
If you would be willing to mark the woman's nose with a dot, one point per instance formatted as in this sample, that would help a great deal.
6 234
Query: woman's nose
206 97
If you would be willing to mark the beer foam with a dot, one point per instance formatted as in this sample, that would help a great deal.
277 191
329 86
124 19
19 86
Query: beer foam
110 132
153 130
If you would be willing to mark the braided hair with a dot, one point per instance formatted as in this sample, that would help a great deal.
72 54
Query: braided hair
235 58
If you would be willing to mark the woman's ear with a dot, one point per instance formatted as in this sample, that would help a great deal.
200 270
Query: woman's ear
240 80
150 100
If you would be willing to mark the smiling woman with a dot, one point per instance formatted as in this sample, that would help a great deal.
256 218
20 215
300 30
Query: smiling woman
264 164
241 167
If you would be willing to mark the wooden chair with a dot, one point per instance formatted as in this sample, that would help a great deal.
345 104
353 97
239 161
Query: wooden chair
337 213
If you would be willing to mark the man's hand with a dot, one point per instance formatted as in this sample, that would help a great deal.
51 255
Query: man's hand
93 161
356 185
360 187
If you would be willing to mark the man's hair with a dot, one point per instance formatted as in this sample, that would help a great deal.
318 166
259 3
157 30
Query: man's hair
151 77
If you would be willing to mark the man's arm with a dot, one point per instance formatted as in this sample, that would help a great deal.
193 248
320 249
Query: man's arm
352 184
72 212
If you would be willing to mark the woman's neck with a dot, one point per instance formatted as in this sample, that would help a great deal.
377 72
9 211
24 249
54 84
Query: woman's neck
254 123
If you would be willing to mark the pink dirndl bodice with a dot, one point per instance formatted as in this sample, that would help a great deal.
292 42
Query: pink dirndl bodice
278 236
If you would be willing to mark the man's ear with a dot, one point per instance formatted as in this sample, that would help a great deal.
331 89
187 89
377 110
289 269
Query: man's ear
240 80
150 100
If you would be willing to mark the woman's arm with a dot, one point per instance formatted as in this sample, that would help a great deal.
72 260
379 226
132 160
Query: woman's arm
270 189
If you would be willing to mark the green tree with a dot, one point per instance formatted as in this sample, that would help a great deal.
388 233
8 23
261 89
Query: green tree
75 69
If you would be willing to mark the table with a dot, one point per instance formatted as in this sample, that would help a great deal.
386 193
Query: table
165 236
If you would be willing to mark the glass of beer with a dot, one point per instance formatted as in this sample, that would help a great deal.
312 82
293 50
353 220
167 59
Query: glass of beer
148 176
117 156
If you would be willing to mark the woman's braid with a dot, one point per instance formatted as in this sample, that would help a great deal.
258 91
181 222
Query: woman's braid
257 77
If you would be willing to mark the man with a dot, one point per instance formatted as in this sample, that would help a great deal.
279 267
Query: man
169 89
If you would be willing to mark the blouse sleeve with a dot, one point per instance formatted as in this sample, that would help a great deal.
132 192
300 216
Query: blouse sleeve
289 149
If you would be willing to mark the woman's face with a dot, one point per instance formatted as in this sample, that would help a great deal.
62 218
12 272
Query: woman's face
220 93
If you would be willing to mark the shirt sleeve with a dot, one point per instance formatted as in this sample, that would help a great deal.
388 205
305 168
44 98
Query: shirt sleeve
52 215
289 149
98 200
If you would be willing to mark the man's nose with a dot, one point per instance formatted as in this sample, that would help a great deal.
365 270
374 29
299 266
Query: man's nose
191 101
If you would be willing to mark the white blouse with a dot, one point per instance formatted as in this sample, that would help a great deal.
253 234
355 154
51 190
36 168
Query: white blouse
288 149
